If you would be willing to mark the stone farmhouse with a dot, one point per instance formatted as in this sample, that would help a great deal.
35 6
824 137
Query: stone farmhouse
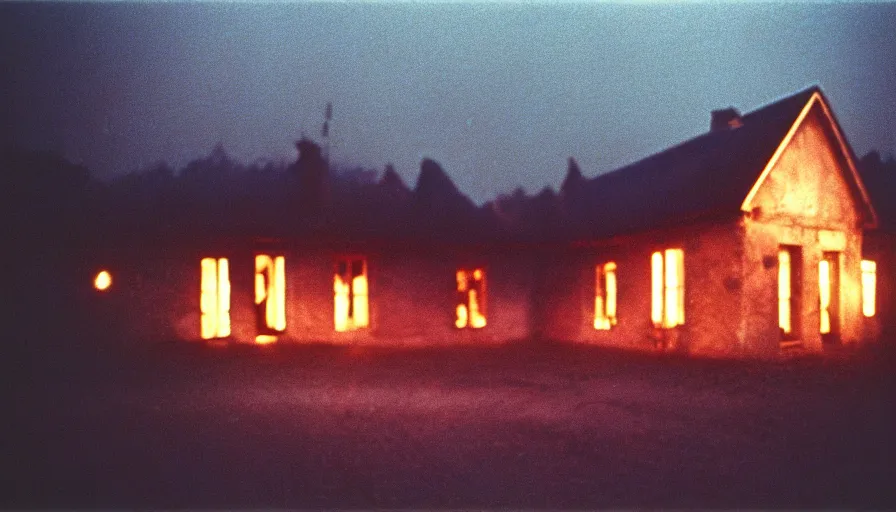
754 238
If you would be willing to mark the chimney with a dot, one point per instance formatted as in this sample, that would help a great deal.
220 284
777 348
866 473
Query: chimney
724 119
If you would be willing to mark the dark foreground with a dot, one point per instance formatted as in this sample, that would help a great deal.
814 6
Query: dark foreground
558 427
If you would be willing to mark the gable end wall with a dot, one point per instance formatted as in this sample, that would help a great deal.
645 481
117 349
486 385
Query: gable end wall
804 201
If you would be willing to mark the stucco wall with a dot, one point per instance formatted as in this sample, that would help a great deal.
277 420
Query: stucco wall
416 297
805 201
712 259
411 296
153 296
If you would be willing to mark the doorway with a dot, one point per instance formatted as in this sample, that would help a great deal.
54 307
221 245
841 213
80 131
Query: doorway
829 297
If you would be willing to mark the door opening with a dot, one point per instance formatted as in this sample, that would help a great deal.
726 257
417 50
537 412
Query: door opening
790 263
829 296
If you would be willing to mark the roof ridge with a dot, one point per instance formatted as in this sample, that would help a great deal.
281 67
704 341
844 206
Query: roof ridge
790 98
753 114
709 174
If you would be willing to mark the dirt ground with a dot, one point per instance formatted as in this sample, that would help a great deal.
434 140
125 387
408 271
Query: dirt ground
183 425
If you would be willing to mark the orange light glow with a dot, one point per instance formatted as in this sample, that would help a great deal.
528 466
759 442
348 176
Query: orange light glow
270 295
361 314
824 294
215 298
674 287
605 296
869 288
656 281
667 284
785 320
470 307
265 339
102 281
461 281
340 304
477 319
462 316
350 295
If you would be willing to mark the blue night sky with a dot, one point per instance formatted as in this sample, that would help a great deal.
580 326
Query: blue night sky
499 94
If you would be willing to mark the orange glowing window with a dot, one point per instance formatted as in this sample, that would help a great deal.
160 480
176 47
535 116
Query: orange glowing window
869 288
828 292
667 286
824 295
350 300
102 281
470 305
785 299
270 297
214 300
789 265
605 296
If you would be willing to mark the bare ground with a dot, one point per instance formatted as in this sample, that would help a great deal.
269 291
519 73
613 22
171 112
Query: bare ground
521 427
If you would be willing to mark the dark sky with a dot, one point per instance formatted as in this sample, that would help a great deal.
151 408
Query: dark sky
499 94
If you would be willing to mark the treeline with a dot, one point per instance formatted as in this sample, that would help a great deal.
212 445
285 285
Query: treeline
53 199
879 175
53 202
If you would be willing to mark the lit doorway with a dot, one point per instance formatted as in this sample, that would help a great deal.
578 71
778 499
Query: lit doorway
790 263
829 296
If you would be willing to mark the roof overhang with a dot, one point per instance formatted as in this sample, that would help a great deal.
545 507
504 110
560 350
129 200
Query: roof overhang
871 215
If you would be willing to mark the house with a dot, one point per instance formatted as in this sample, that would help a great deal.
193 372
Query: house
743 241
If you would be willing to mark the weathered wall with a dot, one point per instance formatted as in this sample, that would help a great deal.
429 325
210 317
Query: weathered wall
712 258
156 295
805 201
416 297
411 298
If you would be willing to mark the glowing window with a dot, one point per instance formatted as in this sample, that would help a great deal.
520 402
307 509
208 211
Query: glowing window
869 288
350 300
828 292
470 304
789 271
215 298
824 294
605 296
102 281
270 296
785 292
667 285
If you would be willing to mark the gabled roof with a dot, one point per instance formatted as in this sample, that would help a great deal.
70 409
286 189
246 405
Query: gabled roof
714 174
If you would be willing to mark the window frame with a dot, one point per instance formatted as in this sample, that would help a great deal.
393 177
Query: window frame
471 300
794 292
667 288
606 296
214 298
356 302
830 296
868 270
270 290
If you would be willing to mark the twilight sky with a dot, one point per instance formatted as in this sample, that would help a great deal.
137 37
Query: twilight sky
499 94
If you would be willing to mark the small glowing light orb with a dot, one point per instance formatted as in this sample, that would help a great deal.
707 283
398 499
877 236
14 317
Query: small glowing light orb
103 281
265 339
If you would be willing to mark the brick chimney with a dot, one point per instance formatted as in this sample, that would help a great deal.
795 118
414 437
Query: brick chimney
725 119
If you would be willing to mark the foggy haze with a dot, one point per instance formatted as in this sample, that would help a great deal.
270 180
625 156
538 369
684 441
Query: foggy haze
499 95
